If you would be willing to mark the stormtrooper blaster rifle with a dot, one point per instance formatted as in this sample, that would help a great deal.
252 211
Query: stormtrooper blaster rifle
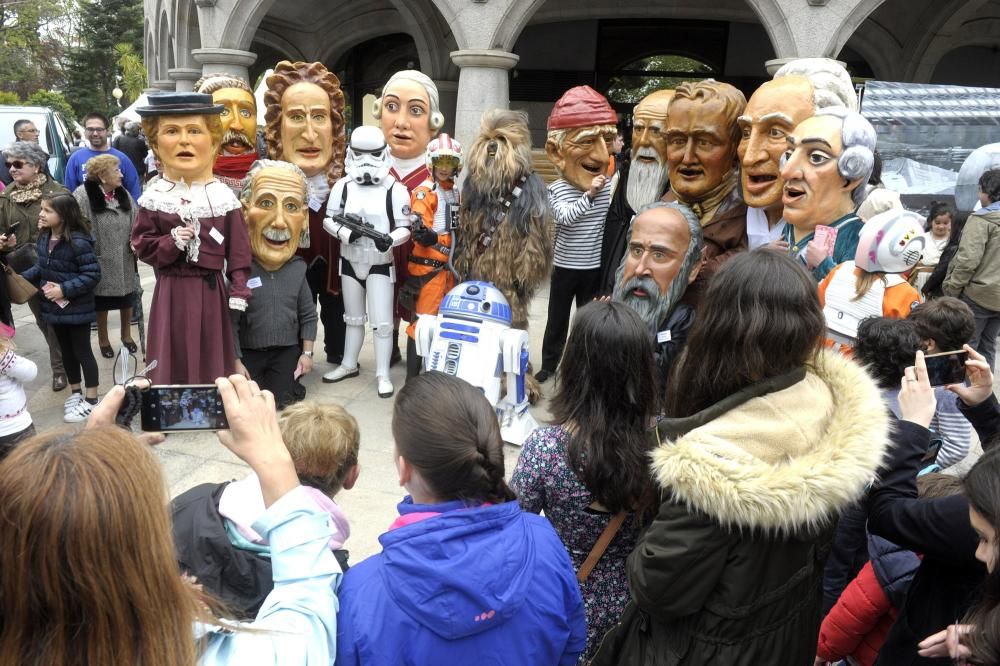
358 228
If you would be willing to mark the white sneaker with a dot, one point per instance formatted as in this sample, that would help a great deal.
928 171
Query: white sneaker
341 373
385 389
71 402
79 413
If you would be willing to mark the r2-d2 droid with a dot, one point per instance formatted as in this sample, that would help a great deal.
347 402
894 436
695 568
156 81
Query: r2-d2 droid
471 338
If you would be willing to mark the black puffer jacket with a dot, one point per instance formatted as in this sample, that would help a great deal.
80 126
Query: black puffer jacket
946 585
730 570
73 266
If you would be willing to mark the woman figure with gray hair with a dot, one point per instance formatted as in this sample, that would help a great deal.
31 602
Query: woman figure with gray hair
19 207
111 211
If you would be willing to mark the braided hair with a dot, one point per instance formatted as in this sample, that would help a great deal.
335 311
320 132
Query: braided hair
447 430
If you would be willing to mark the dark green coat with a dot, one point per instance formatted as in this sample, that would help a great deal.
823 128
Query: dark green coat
730 571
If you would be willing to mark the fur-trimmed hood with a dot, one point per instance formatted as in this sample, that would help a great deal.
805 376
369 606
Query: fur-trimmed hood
98 204
784 458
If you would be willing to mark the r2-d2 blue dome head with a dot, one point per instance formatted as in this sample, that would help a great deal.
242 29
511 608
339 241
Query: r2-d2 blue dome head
476 301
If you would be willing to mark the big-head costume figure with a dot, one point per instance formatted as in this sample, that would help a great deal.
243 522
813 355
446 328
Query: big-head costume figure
702 138
275 334
190 228
799 89
644 179
304 118
829 158
581 131
662 259
239 122
369 212
409 114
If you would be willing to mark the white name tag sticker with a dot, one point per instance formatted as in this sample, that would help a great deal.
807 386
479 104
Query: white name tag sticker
663 336
254 282
216 236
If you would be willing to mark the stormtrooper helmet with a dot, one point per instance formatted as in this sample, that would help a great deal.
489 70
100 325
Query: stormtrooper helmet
368 157
890 242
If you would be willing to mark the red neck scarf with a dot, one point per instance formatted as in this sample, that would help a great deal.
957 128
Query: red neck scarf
234 166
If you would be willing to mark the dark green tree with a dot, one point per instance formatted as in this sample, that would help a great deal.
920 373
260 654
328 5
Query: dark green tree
93 66
53 100
33 39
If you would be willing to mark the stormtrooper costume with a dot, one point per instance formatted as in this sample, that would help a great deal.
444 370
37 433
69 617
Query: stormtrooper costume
366 269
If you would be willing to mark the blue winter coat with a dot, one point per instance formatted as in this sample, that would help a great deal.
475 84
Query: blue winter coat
486 585
74 267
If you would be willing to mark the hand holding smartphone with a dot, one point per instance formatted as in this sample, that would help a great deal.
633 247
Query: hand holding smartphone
946 368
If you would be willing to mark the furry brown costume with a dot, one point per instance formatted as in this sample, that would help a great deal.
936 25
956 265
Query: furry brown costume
519 257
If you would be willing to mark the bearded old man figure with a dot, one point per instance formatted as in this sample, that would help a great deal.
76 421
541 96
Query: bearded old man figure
663 256
643 180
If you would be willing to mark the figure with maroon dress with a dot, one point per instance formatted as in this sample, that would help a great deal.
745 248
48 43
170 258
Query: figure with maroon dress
190 229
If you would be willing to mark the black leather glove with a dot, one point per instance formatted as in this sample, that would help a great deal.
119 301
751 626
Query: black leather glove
383 243
425 236
354 237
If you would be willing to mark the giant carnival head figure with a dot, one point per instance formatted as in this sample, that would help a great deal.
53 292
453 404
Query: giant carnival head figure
409 112
647 174
581 129
305 118
798 90
662 257
184 132
274 200
501 153
239 113
702 137
828 159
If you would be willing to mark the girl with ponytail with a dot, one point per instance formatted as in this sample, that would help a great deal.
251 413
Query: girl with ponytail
465 576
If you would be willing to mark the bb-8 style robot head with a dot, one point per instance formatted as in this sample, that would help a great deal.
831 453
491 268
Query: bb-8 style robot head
890 242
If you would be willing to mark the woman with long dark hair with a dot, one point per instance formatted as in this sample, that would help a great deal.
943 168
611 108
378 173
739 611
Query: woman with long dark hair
767 438
594 462
464 576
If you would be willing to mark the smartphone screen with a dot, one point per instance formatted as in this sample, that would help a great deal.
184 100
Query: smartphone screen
179 408
946 368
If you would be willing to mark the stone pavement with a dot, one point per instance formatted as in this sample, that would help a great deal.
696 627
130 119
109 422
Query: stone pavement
192 458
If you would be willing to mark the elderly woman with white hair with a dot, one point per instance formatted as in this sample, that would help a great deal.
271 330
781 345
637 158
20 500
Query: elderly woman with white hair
111 211
20 204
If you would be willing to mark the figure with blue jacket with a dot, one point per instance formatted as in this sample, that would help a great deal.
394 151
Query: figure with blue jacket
67 273
465 576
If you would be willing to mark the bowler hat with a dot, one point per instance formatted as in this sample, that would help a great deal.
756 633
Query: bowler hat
179 104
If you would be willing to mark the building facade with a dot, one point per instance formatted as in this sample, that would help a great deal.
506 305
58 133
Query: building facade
524 53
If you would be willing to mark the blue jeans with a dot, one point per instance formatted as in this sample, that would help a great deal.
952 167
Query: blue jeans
984 340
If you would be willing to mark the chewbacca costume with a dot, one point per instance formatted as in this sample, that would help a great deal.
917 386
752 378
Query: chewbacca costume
505 226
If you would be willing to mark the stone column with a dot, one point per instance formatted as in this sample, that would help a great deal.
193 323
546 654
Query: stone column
448 94
162 85
184 77
482 85
231 61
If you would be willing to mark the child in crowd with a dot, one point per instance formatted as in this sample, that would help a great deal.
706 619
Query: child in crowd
936 237
465 576
67 273
212 522
890 243
590 472
15 421
885 347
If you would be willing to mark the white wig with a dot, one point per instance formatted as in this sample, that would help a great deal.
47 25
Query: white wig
437 118
858 157
832 85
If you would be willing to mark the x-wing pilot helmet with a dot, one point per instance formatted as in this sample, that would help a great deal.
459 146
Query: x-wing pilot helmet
444 151
368 157
890 242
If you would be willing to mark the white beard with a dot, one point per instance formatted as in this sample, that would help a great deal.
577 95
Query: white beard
646 181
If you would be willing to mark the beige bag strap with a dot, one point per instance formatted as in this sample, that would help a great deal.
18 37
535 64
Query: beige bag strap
602 544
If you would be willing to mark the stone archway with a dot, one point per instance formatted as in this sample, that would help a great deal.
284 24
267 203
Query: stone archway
800 30
950 32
